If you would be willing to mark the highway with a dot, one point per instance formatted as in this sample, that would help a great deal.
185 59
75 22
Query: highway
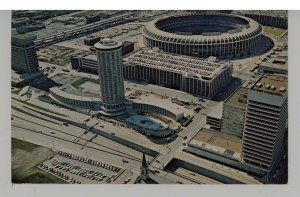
60 137
45 131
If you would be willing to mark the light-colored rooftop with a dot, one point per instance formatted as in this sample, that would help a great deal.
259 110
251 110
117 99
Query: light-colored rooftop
177 63
221 143
160 101
272 84
217 111
91 57
67 95
238 98
107 43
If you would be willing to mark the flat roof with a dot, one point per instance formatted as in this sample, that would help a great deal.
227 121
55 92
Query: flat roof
217 111
191 66
270 65
267 82
23 38
159 101
219 142
238 98
67 95
90 57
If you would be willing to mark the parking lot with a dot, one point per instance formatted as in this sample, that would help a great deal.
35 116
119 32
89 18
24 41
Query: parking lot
76 169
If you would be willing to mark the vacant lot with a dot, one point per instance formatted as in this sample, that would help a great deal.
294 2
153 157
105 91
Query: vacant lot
25 157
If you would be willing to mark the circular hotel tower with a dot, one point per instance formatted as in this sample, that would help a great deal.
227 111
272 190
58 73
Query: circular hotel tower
109 57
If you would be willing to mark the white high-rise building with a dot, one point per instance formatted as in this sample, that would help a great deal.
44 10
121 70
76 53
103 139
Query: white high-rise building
265 122
109 59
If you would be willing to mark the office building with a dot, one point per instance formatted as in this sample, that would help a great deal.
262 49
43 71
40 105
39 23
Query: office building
23 53
234 112
265 122
189 74
109 59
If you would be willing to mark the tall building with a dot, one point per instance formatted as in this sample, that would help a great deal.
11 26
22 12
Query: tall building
23 53
234 112
109 59
265 122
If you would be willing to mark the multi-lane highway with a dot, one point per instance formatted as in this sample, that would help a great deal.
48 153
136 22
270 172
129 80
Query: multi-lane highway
51 133
31 126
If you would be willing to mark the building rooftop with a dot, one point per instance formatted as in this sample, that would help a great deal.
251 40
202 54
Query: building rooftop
157 100
91 57
23 38
107 43
272 84
217 111
221 143
238 98
67 95
191 66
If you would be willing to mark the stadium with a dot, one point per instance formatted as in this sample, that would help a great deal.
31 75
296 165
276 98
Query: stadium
204 35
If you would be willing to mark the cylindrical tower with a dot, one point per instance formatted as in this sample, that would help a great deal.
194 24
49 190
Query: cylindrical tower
109 56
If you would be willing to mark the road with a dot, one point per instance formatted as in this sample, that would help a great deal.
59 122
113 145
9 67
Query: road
163 159
59 137
45 131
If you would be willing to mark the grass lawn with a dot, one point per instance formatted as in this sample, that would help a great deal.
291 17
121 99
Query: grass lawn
77 83
274 31
25 157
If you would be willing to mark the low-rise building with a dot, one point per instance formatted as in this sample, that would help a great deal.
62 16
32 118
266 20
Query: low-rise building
214 118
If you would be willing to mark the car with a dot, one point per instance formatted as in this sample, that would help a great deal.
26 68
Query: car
124 160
